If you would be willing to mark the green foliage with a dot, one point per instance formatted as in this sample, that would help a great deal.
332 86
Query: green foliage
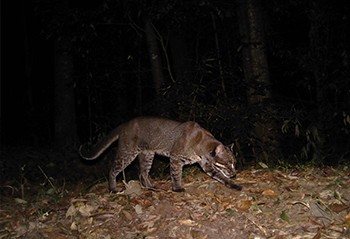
284 216
323 140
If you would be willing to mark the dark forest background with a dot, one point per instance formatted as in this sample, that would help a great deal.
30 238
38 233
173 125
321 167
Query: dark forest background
271 76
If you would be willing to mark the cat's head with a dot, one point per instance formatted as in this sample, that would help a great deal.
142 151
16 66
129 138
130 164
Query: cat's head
223 160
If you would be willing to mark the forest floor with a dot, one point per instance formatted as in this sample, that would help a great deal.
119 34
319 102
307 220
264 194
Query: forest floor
306 202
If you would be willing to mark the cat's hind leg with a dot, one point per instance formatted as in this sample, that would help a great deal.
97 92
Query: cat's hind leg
145 162
121 159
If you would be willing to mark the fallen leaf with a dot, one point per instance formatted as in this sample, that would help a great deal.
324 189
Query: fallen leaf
103 216
78 200
263 165
149 224
74 226
138 209
142 202
347 220
224 202
243 205
336 207
133 188
127 215
269 193
292 186
86 210
318 235
71 211
20 201
188 222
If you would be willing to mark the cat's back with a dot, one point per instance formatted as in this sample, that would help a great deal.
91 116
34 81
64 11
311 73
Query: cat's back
151 122
156 129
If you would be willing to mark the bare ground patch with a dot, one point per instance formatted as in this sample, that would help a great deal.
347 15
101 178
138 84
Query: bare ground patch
309 203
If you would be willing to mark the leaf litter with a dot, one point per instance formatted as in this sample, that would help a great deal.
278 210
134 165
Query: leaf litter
308 203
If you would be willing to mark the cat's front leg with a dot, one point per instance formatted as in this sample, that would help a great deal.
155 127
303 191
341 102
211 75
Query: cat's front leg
112 182
176 174
226 181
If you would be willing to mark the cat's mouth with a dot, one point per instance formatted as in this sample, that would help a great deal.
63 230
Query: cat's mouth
228 173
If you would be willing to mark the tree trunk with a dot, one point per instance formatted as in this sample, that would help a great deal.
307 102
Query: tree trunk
257 77
65 130
179 57
155 59
254 56
0 80
319 45
218 55
319 36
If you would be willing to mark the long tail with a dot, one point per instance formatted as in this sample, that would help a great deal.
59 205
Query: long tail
99 148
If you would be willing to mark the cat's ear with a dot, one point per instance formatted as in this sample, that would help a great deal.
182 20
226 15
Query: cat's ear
231 147
219 149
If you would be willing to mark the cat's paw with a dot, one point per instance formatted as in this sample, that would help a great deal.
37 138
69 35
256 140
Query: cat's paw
146 182
234 186
178 189
114 190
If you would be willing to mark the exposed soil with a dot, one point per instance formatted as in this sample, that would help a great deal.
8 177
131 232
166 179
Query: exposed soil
303 203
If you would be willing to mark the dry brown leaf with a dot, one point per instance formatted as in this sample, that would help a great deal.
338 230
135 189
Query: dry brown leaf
149 225
195 234
71 211
50 233
20 201
74 226
188 222
269 193
244 205
292 186
127 215
138 209
132 188
222 202
347 220
318 235
336 207
77 200
142 202
103 216
86 210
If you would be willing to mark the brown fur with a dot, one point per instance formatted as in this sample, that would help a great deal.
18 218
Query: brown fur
184 143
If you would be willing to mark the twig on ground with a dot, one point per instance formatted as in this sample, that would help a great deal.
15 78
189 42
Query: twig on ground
48 179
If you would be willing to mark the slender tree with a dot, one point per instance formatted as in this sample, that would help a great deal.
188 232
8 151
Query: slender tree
154 56
256 75
253 51
0 80
181 64
65 129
